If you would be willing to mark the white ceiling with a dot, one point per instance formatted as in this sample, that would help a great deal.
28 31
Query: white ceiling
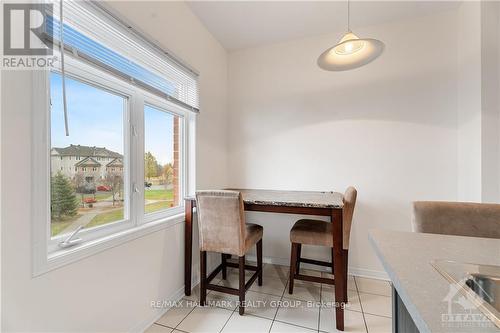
243 24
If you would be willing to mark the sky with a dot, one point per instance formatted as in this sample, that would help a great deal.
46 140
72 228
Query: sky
158 134
96 118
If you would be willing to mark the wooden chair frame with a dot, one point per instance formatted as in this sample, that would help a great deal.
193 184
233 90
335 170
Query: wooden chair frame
242 288
296 259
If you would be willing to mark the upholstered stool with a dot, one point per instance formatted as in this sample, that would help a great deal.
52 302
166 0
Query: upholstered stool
457 218
319 233
222 229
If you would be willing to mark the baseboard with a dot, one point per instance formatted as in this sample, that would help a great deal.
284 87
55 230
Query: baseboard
369 273
356 271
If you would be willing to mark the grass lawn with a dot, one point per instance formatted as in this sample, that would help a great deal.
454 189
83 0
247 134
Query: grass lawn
159 194
153 207
111 216
56 226
117 214
103 195
99 196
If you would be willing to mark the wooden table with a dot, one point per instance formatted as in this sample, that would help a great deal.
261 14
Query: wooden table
287 202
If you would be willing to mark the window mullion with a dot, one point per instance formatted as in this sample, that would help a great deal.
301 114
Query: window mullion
138 158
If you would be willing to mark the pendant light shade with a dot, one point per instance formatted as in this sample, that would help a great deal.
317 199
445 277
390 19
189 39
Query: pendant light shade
351 51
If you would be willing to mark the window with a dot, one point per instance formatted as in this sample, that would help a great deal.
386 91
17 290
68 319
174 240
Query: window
125 101
77 199
161 159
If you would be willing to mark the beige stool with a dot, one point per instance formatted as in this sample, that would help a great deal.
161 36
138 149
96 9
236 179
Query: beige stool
319 233
457 218
222 229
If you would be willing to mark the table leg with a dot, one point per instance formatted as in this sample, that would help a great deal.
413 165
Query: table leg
188 246
339 268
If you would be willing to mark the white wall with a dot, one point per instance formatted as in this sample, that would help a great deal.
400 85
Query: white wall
478 102
469 102
498 89
490 90
110 291
389 128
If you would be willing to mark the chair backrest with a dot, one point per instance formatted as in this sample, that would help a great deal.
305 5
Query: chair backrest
350 196
221 221
457 218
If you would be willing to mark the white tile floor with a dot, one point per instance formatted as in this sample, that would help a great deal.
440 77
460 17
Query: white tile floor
272 309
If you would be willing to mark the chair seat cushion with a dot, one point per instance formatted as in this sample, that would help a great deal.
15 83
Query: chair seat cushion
254 233
312 232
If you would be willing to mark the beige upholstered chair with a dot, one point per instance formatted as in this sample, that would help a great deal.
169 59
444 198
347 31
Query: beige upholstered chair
457 218
315 232
222 229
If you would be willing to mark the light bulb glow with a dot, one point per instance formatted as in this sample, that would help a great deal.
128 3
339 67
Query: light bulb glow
350 52
349 47
349 44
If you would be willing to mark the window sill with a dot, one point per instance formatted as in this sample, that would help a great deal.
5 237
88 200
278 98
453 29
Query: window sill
64 257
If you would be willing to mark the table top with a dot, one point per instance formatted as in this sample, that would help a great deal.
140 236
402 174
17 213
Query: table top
311 199
427 295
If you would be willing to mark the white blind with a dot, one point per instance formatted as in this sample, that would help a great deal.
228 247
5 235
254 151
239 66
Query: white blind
93 34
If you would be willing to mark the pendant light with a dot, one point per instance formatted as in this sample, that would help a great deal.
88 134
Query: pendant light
351 51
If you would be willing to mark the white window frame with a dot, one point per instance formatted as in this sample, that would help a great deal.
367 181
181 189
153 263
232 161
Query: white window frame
170 108
46 253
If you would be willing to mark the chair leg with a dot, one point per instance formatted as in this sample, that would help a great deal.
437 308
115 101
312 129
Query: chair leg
293 267
203 277
224 267
299 251
241 268
332 260
345 253
259 262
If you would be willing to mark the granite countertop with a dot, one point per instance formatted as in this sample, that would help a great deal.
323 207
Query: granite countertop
406 257
311 199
